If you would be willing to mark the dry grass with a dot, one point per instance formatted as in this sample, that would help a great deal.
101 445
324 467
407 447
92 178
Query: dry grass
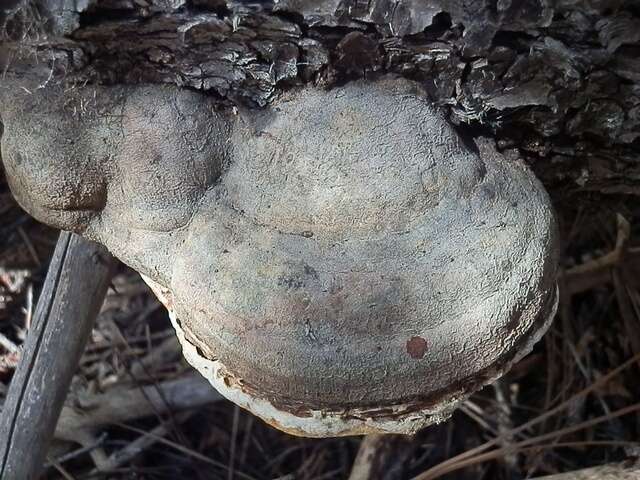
572 403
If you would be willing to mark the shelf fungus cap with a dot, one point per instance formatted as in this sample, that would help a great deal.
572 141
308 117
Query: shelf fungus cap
342 262
369 269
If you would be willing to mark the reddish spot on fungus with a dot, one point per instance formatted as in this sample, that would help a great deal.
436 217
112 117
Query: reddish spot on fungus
416 346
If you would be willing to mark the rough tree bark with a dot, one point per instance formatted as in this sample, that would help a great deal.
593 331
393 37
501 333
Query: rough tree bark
557 79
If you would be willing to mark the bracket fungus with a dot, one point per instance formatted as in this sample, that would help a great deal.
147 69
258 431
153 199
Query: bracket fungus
340 262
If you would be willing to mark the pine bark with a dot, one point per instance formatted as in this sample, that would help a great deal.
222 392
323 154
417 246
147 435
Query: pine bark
558 80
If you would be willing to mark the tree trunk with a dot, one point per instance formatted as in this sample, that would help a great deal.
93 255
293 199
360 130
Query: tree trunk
558 80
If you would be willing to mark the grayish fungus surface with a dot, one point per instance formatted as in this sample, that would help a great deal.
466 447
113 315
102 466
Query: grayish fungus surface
338 263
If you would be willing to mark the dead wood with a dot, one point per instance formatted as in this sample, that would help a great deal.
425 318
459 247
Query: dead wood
382 457
75 287
121 405
628 470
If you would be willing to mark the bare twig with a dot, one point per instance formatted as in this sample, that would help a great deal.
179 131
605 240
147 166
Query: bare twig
471 456
628 470
77 281
8 345
123 405
186 451
139 445
524 445
381 456
76 453
162 354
